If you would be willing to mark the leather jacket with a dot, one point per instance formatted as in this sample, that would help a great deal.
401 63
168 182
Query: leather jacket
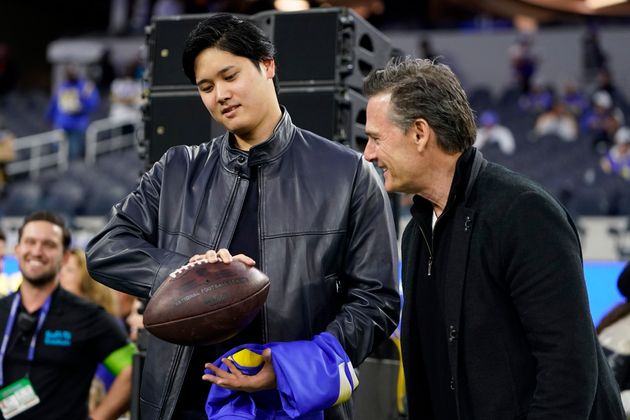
325 232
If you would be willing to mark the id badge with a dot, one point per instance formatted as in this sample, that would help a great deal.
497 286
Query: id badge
17 398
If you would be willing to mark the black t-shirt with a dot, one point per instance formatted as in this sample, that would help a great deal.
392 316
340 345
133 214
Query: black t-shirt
194 393
74 338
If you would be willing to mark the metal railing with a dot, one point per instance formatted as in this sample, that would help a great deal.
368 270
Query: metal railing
40 151
108 135
50 149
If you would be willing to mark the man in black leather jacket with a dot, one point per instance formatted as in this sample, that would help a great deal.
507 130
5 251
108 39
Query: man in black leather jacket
311 213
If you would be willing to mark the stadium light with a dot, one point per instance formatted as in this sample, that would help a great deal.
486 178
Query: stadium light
291 5
598 4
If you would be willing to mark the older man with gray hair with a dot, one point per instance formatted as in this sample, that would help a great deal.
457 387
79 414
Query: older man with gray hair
495 322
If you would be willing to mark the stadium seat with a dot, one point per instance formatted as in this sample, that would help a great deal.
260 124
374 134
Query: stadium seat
22 198
65 198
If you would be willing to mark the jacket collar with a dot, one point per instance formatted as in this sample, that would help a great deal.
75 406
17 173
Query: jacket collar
264 152
458 187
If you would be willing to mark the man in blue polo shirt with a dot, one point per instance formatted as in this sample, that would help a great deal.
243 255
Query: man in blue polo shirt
53 340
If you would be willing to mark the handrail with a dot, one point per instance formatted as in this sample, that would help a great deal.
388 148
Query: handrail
39 151
107 135
50 149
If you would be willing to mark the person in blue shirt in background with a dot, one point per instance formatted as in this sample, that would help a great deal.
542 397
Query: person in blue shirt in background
70 108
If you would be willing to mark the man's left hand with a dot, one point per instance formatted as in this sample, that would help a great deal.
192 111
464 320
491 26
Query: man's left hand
237 381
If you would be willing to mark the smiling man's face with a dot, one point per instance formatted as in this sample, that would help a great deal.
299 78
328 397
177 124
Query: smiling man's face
40 252
390 148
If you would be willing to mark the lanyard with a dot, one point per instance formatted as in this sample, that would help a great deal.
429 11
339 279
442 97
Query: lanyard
9 329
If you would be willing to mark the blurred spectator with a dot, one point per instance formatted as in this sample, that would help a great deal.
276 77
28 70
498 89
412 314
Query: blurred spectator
126 97
539 98
3 249
574 99
103 72
593 56
75 278
557 121
617 160
135 320
8 71
125 304
604 83
7 154
524 61
491 132
138 68
602 121
168 8
614 336
140 15
8 283
70 109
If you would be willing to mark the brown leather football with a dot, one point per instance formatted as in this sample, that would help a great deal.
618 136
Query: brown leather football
203 303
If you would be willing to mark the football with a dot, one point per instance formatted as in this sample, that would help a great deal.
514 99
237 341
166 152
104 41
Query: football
204 303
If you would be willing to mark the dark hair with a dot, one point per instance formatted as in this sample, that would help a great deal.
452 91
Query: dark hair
51 217
623 281
227 33
623 309
3 237
422 88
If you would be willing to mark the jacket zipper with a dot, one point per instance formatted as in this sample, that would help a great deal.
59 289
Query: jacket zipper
170 379
171 376
263 311
429 248
229 205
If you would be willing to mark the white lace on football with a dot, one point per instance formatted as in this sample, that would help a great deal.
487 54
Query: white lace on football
186 267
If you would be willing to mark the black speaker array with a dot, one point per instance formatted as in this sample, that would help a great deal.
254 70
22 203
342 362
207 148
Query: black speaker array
174 113
322 57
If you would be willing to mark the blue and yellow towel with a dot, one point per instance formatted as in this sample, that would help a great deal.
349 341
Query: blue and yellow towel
310 375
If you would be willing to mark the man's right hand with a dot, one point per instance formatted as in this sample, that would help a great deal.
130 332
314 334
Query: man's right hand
224 256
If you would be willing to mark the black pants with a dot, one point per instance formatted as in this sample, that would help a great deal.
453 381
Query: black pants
189 415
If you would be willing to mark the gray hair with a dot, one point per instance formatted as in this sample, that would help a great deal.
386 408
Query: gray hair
421 88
